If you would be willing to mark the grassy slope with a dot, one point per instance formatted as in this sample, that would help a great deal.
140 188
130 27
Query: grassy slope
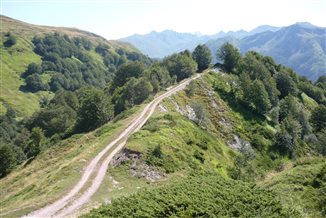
174 131
14 61
55 170
43 180
297 187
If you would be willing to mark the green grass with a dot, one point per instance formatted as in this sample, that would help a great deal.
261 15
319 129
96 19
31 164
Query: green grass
308 102
14 61
55 170
180 138
298 186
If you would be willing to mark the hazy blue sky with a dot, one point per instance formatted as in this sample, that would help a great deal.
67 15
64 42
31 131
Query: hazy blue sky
118 18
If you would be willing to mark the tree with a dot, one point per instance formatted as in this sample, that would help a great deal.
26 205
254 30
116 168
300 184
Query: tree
180 65
95 109
135 91
259 97
230 56
159 77
254 65
127 71
203 56
285 85
102 49
37 141
318 118
322 142
288 105
32 68
34 83
11 40
7 159
283 142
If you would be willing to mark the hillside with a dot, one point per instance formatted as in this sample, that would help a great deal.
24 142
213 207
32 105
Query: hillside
16 58
127 135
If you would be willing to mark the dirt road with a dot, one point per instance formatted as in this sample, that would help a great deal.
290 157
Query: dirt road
71 202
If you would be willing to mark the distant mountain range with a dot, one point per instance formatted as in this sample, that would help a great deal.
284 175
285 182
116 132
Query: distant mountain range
301 46
160 44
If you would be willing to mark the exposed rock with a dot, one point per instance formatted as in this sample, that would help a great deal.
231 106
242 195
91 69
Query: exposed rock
240 145
191 113
137 167
177 106
236 144
125 155
162 108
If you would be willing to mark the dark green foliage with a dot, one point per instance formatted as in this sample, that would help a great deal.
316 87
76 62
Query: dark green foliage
254 64
318 118
134 92
159 77
8 126
288 105
127 71
58 116
94 110
34 83
321 136
157 158
205 195
315 92
259 97
32 68
7 159
102 49
10 41
36 143
180 65
72 66
254 94
199 155
230 56
285 85
203 56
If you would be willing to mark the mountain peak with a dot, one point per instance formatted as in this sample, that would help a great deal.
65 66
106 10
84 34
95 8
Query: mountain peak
304 25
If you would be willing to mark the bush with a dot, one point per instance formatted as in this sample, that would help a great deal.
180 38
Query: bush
11 40
34 83
204 195
7 159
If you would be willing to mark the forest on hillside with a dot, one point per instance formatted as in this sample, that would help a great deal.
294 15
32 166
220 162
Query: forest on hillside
94 84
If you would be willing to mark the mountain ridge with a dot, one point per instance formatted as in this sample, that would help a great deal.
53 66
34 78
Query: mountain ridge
301 46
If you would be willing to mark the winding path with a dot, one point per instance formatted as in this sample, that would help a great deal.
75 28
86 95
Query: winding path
72 201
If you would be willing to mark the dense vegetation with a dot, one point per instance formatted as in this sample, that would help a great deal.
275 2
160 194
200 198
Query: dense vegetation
277 118
204 195
71 64
302 186
88 92
287 101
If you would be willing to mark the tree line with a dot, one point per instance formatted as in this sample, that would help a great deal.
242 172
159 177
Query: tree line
278 94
